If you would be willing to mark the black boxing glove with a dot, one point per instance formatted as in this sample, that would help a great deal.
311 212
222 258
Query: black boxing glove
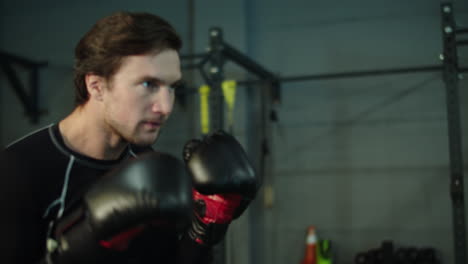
152 190
224 183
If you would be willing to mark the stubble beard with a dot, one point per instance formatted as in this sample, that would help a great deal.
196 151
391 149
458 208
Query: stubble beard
140 137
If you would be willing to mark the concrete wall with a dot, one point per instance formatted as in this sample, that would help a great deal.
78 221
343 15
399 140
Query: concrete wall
362 159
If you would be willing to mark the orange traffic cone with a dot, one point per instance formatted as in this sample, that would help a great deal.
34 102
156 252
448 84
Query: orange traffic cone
310 256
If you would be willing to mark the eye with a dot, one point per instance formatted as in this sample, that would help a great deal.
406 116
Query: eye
173 87
176 85
150 84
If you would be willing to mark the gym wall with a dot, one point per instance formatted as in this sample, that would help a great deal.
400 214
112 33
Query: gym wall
362 159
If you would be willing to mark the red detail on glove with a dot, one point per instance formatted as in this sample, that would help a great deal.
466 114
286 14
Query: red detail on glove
219 208
120 242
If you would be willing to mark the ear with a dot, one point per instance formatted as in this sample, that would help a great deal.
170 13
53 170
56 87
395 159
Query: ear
95 85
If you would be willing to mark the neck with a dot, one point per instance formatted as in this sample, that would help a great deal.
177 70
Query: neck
85 133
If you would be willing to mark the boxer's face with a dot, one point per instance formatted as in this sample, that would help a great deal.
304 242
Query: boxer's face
140 96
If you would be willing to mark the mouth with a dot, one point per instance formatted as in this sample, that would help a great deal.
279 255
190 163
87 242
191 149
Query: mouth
152 124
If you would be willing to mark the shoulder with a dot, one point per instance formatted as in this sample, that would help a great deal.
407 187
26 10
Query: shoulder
31 154
30 142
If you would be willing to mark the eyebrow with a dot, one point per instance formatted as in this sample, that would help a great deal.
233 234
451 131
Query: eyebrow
177 83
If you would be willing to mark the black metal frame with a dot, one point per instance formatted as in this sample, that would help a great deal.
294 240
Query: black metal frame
30 100
218 55
451 77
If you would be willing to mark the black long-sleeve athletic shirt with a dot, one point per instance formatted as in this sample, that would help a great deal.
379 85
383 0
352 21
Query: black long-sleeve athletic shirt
40 175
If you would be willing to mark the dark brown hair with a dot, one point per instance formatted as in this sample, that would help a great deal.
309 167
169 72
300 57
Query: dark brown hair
121 34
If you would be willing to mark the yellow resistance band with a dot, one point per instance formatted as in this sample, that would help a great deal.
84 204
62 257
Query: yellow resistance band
204 91
229 92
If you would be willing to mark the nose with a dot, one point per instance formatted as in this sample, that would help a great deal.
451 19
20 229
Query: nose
163 101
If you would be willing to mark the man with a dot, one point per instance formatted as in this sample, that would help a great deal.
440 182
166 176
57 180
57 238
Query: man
127 67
